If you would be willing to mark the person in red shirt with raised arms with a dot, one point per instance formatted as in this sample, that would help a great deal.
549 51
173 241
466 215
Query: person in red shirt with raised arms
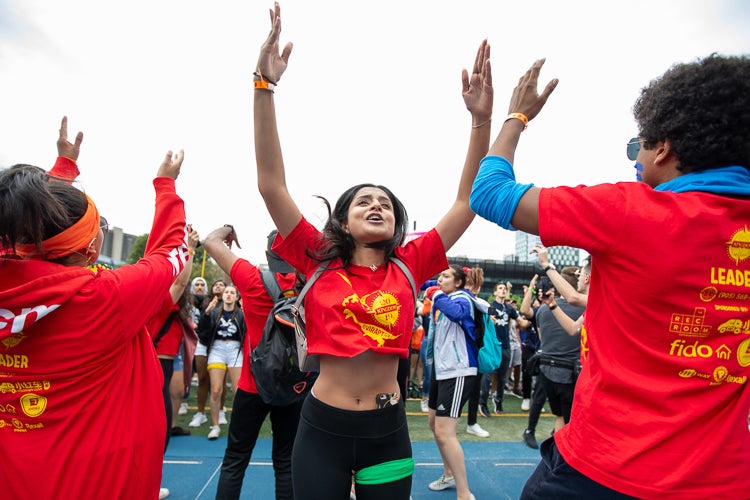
360 312
661 405
73 340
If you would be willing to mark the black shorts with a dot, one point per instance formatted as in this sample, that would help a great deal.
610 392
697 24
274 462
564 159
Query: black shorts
447 397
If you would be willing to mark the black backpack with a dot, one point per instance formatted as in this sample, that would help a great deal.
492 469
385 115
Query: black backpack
274 361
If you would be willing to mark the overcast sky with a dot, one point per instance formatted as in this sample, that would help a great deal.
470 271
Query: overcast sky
372 94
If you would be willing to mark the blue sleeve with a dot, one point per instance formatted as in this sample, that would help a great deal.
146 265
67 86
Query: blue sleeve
455 309
495 193
427 284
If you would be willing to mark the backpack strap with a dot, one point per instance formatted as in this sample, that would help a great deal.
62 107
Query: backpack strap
405 270
273 289
165 327
301 297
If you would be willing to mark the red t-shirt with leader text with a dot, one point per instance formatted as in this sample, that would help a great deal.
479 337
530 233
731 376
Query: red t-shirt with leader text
169 343
256 304
661 406
81 405
352 310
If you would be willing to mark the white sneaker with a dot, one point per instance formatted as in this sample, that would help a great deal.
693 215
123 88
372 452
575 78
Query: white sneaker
223 417
443 483
198 420
526 404
425 408
163 493
477 430
214 432
183 408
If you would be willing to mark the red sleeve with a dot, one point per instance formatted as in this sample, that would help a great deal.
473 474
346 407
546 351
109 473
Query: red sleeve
65 168
293 248
143 285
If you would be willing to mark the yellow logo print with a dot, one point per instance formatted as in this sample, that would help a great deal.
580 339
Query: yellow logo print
33 405
13 340
381 306
743 353
738 245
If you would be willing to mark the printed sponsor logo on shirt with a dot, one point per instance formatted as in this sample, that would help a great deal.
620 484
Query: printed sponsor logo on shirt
682 348
33 405
12 322
719 376
690 325
738 246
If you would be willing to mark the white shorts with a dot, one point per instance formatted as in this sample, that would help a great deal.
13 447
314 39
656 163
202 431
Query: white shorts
225 354
200 349
515 354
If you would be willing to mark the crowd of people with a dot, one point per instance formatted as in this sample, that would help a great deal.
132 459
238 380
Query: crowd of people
603 343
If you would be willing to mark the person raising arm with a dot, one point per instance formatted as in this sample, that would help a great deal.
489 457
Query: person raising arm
358 347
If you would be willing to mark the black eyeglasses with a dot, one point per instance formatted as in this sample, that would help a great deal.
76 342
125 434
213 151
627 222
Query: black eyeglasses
103 225
634 146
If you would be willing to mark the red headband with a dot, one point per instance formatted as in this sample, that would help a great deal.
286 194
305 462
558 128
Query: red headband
76 237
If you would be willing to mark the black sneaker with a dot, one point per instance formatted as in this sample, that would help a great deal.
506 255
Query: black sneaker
498 407
483 410
530 440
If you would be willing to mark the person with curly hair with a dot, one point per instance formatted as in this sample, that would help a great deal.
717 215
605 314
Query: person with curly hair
661 405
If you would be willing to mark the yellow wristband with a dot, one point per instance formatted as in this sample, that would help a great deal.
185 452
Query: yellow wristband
519 116
264 85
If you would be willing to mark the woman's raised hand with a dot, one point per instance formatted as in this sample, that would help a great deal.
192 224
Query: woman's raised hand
477 87
271 63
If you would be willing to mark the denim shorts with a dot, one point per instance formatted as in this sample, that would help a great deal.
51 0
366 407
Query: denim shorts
225 354
178 362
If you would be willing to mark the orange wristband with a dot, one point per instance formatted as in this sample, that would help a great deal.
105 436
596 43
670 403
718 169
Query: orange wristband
519 116
264 85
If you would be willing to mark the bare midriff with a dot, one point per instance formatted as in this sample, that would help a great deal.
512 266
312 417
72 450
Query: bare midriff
354 383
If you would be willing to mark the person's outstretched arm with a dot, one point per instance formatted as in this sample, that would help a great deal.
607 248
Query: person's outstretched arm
528 298
565 289
477 94
572 328
495 194
182 280
270 163
218 244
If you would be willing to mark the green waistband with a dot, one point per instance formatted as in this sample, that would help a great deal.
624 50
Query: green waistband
386 472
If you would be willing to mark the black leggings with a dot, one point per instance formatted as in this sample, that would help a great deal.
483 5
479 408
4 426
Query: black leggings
332 444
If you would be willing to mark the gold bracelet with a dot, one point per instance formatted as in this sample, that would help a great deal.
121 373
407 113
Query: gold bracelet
482 124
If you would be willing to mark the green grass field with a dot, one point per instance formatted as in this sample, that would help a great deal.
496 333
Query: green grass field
506 427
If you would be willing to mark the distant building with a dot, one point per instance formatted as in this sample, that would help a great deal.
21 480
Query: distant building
561 256
116 247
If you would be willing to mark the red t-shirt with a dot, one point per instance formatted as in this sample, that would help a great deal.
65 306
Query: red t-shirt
352 310
661 406
169 343
256 304
78 365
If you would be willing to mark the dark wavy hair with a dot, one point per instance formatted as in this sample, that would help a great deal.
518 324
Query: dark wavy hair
35 207
340 244
703 108
459 274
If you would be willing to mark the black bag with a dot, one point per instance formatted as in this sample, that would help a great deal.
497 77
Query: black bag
274 360
532 364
